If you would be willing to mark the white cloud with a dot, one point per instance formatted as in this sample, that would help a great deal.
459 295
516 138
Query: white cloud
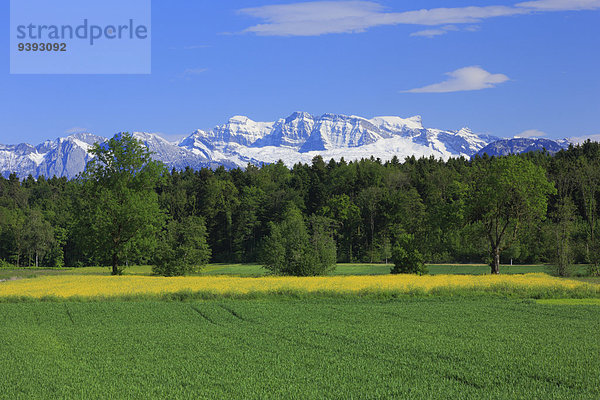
76 129
188 73
196 46
195 71
464 79
531 133
459 15
561 5
429 33
315 18
350 16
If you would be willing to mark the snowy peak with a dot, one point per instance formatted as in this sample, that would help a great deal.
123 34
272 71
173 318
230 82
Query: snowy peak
21 149
299 115
86 137
241 130
149 137
333 131
396 124
173 155
66 156
199 143
82 140
155 143
291 132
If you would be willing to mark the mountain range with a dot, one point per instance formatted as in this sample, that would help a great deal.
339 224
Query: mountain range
523 145
297 138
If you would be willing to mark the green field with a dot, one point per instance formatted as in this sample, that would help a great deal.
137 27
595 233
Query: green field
320 348
258 270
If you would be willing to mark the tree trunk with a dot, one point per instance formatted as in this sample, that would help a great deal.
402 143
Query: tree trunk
115 264
496 261
372 236
350 258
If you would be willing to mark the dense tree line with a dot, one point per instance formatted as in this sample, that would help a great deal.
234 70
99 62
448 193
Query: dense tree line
458 210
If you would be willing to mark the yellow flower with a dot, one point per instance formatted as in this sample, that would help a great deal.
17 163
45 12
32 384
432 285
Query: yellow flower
113 286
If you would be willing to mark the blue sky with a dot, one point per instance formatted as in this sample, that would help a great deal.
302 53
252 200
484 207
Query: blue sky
502 68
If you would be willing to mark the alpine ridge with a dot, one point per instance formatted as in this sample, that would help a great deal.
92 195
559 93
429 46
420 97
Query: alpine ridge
523 145
298 138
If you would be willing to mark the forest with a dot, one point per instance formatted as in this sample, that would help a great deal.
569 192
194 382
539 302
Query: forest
535 208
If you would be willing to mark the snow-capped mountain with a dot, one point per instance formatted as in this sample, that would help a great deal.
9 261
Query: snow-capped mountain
173 155
523 145
297 138
61 157
301 136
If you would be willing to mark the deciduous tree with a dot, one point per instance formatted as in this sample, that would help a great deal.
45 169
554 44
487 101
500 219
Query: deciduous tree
121 207
182 248
291 250
505 193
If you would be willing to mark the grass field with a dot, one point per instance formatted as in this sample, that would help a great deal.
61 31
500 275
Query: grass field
312 348
254 270
570 302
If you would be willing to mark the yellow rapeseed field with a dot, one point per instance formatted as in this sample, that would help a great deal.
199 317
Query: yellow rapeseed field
116 286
